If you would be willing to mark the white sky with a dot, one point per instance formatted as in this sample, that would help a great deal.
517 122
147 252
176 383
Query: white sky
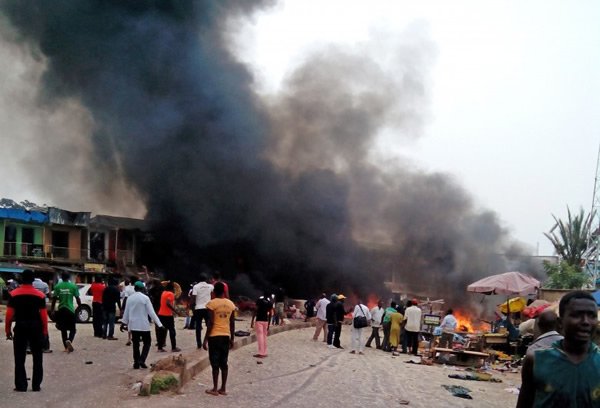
515 98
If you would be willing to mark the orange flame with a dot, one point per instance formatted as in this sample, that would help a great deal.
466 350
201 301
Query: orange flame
467 323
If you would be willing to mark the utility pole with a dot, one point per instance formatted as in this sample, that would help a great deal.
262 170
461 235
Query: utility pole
593 252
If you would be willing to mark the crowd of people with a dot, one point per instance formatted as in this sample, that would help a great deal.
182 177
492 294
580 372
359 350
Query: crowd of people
138 305
560 369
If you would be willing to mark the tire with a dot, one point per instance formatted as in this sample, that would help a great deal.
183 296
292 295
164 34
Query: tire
83 314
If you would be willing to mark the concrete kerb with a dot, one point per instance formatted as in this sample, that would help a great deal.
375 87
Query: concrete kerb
196 362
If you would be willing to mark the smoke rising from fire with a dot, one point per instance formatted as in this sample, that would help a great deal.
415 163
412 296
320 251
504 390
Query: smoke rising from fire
286 189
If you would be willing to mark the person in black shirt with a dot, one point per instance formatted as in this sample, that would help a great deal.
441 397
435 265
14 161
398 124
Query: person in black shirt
330 316
340 312
309 306
262 314
111 298
27 309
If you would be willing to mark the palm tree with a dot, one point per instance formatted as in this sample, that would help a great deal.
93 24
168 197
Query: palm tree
571 241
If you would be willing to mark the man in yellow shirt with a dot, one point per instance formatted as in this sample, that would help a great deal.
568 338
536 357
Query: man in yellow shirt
219 337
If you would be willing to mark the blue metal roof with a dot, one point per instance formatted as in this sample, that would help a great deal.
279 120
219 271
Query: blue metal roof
23 215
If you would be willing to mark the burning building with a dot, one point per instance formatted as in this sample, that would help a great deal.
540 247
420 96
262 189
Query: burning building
281 190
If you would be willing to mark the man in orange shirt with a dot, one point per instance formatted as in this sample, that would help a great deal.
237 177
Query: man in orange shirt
166 316
97 289
219 337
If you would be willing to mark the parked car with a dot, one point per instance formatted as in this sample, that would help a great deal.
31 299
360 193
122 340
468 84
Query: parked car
83 313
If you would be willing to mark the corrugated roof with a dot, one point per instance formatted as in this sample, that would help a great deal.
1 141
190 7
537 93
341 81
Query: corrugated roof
64 217
23 215
108 221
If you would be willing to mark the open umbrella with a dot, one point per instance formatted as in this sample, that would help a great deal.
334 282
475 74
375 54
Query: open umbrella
508 283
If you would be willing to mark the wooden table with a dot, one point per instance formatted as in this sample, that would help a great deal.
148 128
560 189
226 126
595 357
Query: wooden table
465 357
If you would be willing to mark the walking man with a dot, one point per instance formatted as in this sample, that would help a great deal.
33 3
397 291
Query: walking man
65 319
387 325
263 312
166 316
200 297
139 308
376 318
566 375
321 318
330 315
27 309
97 290
219 337
356 333
111 298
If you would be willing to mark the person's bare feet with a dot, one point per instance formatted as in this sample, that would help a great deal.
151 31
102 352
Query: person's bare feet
212 392
222 392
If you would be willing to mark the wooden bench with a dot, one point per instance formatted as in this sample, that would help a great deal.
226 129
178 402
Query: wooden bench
464 357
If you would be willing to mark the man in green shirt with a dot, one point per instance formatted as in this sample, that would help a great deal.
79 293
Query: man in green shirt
567 374
65 319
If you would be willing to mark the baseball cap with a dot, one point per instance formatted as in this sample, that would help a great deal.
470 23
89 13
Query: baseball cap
341 297
139 284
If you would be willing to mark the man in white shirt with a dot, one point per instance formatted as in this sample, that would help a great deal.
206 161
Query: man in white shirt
128 290
448 327
376 317
356 333
321 318
412 318
139 307
200 297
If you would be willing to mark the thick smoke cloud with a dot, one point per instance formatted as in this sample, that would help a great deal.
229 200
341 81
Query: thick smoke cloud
287 190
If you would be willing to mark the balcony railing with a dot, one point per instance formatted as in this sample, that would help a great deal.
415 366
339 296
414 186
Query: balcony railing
53 252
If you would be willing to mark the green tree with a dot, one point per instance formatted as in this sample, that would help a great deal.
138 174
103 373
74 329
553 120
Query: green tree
570 241
570 238
564 276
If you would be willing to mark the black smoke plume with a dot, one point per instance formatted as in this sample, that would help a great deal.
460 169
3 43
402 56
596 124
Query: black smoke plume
285 190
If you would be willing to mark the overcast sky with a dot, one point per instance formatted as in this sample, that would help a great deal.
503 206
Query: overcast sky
514 97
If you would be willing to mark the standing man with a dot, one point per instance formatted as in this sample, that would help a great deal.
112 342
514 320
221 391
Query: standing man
340 313
111 298
567 374
321 318
264 309
376 318
128 290
43 287
166 315
387 324
155 293
309 307
412 327
279 306
200 297
219 337
27 308
330 315
547 325
356 333
97 290
136 314
448 327
65 291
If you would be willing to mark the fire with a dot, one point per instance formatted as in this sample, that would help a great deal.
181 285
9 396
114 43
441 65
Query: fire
468 324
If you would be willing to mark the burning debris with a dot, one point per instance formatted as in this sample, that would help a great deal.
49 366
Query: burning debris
282 191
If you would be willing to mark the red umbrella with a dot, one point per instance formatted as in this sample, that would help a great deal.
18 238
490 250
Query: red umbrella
508 283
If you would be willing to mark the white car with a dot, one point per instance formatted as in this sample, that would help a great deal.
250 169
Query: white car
83 313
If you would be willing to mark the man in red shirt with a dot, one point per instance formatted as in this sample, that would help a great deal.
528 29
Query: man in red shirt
97 289
27 309
165 314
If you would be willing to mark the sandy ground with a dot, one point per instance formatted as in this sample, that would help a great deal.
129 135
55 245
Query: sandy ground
297 373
